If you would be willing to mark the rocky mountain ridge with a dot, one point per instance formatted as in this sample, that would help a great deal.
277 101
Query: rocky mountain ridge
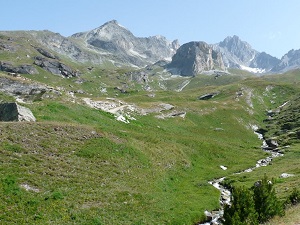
112 38
239 54
114 44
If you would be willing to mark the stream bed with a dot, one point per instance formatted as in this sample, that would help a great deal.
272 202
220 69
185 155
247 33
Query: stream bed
215 217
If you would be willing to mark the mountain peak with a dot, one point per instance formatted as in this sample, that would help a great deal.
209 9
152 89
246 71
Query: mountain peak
233 40
112 23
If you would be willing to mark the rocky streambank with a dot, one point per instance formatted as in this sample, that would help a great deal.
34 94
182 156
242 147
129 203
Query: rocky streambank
215 217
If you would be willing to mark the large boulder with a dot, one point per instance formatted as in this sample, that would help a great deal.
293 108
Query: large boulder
13 112
22 69
195 57
208 96
55 67
46 53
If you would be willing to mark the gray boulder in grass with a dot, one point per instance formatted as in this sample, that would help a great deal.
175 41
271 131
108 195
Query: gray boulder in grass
13 112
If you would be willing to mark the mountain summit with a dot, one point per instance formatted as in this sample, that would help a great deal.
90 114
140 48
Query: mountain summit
239 54
112 38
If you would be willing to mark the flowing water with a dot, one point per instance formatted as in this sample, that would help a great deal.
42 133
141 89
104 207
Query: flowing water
215 217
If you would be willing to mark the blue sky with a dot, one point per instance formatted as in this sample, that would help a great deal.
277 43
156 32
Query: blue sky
272 26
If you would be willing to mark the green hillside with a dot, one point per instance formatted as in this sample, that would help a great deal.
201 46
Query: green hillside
79 165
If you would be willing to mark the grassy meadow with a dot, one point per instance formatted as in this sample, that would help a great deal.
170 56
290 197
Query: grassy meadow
78 165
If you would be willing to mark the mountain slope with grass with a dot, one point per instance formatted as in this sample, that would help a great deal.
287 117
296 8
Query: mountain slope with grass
124 145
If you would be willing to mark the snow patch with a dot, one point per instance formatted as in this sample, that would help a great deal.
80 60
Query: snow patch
252 70
135 53
169 59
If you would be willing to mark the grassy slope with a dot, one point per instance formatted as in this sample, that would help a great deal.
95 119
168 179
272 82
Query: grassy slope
292 217
91 169
289 163
159 166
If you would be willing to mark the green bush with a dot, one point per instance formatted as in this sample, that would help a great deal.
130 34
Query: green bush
251 207
267 204
242 209
294 197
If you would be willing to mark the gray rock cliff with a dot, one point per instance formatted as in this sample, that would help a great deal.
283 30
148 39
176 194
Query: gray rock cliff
195 57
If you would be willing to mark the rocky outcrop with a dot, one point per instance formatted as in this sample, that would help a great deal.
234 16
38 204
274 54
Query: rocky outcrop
23 90
55 67
14 112
46 53
22 69
195 57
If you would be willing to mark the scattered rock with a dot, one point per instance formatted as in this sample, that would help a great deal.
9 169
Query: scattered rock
121 118
272 143
223 167
29 188
171 115
208 96
157 109
208 215
120 89
80 91
286 175
14 112
166 106
179 114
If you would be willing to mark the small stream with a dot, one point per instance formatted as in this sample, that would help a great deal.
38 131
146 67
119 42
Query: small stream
215 217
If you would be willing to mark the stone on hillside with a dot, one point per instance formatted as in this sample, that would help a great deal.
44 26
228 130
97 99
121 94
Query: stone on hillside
25 90
46 53
14 112
22 69
272 143
208 96
286 175
55 67
166 106
223 167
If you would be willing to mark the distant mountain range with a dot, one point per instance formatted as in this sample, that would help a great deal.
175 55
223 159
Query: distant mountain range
115 44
